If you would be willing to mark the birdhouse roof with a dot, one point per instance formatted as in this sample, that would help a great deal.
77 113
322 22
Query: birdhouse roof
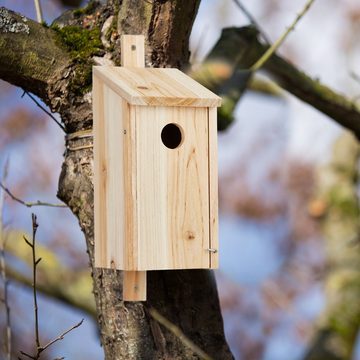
156 87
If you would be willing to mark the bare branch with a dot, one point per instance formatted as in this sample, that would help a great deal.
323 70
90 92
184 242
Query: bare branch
35 262
66 292
273 48
61 337
179 334
252 20
240 48
32 245
43 109
27 355
29 204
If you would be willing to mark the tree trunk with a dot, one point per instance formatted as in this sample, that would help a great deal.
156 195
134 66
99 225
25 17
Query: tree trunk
58 69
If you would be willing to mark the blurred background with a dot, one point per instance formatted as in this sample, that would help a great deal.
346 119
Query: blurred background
279 182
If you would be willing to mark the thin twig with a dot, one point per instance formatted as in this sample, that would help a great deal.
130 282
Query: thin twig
39 15
27 355
61 337
5 300
252 20
29 204
35 263
179 334
272 49
43 109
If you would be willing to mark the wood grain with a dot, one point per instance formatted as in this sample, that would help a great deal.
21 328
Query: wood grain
172 190
132 50
134 284
213 189
100 172
156 87
109 200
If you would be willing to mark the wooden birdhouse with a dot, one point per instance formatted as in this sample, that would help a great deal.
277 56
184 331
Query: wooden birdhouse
155 170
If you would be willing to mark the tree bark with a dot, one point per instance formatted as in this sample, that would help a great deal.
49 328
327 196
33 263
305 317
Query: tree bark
187 298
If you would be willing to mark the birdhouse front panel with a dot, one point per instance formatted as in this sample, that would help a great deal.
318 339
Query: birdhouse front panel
155 173
172 162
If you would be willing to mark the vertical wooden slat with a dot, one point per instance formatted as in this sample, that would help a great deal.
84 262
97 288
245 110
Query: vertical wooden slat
173 192
100 173
130 189
115 194
133 50
134 286
213 190
109 189
133 54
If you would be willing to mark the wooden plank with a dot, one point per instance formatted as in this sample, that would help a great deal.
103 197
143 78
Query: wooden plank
114 114
111 77
173 186
133 286
133 50
179 79
134 283
156 87
100 173
213 189
130 251
109 206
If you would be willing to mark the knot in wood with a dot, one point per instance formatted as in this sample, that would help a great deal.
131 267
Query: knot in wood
189 235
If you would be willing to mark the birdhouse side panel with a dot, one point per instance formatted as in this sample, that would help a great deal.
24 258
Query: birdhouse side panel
172 187
213 189
111 112
130 190
99 179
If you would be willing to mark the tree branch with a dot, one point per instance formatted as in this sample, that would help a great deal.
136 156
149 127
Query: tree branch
241 47
274 47
30 54
62 127
27 203
75 289
67 293
35 262
252 20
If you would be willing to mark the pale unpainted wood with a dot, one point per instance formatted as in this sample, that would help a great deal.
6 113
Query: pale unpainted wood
130 195
109 202
115 215
132 50
157 206
172 189
134 284
100 172
213 189
156 87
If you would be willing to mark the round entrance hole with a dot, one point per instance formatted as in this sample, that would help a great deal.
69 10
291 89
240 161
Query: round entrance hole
171 136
